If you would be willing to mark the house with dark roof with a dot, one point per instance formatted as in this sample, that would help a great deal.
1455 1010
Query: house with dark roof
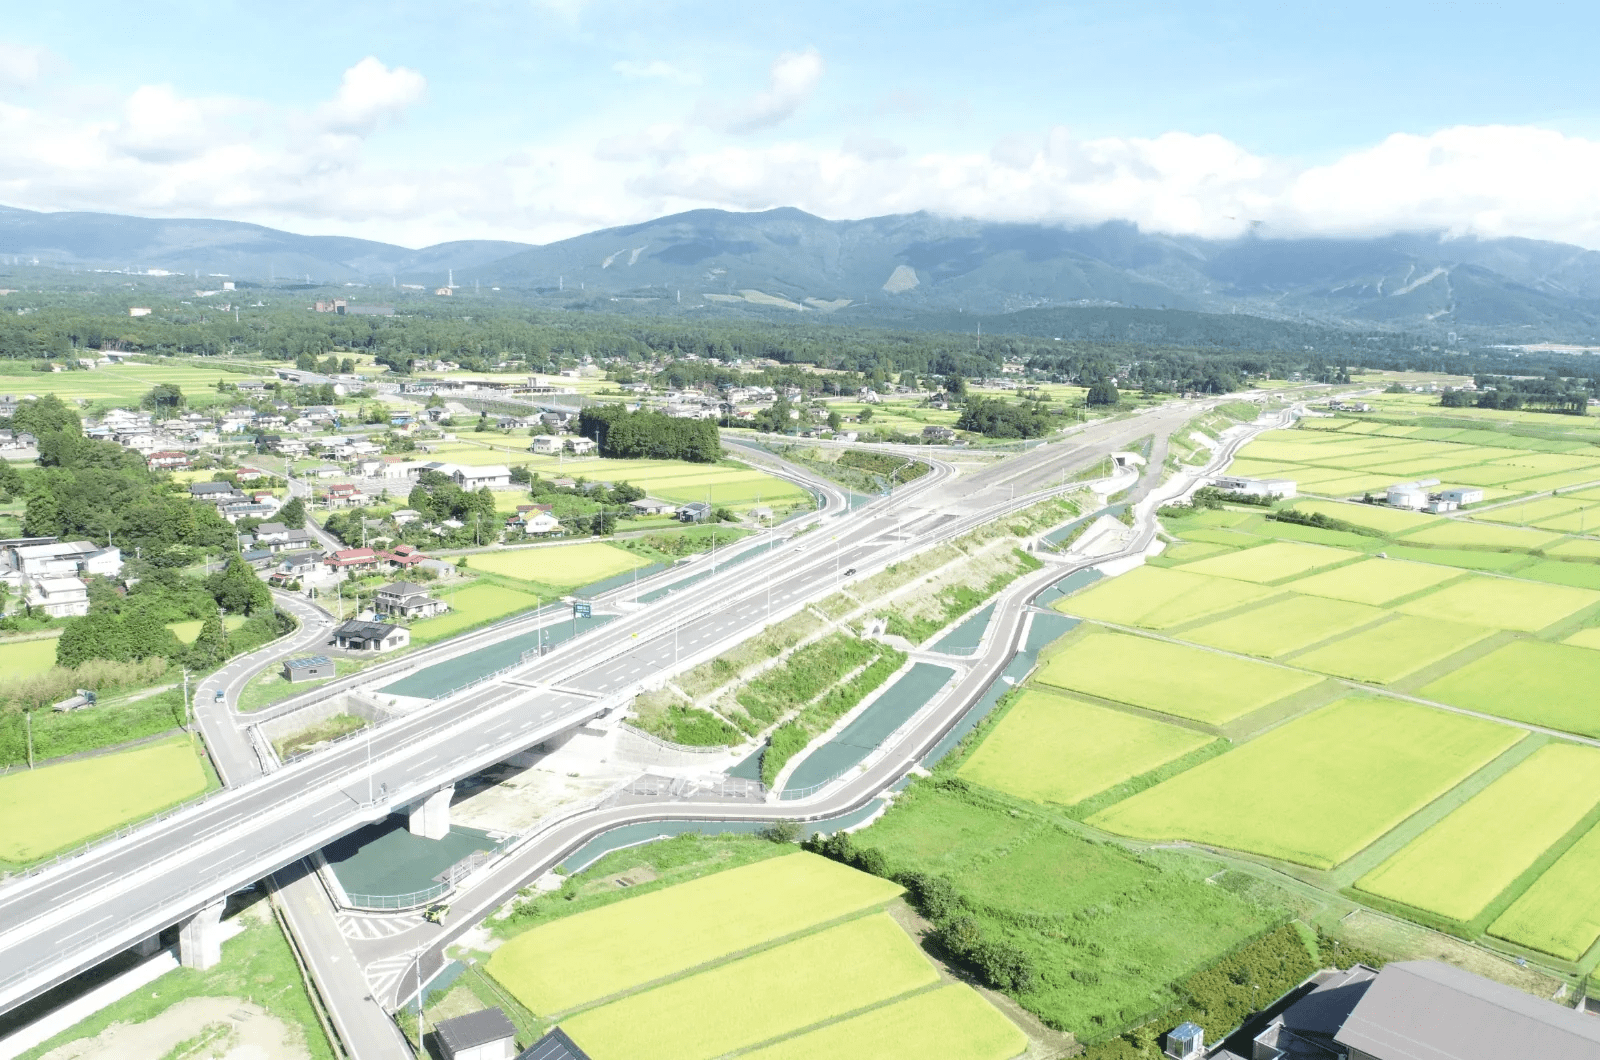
360 635
408 600
483 1035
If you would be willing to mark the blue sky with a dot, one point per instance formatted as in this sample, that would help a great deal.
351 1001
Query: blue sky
415 122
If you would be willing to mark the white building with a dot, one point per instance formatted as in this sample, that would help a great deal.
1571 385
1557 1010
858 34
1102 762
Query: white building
1256 487
1462 495
59 597
545 445
1410 495
64 558
495 476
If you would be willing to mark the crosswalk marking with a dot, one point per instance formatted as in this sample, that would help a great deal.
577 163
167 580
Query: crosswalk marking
374 927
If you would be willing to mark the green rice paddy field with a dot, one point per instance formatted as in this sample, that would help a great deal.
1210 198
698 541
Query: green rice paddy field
475 603
561 566
1558 914
770 994
1322 787
1497 615
579 959
1060 749
790 955
1457 867
24 658
59 806
1170 678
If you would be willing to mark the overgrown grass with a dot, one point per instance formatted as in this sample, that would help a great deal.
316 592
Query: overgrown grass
661 714
1111 932
953 601
73 732
793 737
771 643
803 676
327 729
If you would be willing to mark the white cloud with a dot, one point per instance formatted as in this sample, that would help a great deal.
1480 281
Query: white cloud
793 77
656 70
21 66
370 93
159 152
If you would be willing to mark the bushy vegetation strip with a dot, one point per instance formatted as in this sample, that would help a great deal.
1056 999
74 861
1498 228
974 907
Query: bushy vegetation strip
795 735
804 675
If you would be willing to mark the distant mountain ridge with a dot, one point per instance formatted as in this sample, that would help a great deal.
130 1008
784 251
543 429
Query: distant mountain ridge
901 266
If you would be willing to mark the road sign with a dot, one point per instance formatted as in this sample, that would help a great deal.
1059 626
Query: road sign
581 610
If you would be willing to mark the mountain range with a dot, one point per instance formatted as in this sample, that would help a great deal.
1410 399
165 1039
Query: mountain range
908 267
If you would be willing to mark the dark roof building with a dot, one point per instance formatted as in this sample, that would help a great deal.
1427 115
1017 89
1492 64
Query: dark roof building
554 1046
482 1035
1424 1010
1421 1010
356 635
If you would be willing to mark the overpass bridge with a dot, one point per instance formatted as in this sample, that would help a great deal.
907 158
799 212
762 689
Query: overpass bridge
179 870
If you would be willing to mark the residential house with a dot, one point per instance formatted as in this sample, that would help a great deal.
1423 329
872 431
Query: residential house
246 509
935 433
250 474
545 445
296 565
354 560
59 597
17 440
697 512
358 635
257 558
408 600
580 446
483 1035
405 557
167 460
651 506
344 495
272 535
215 492
404 516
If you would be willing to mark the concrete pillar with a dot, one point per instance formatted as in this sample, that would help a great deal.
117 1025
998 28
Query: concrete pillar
200 938
148 947
430 817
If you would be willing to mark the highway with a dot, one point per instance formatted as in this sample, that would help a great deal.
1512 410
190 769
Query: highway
75 914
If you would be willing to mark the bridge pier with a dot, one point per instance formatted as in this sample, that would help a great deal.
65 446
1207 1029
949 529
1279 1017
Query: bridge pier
148 947
430 817
200 937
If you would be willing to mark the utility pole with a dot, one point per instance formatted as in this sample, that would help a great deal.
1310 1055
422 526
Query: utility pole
28 720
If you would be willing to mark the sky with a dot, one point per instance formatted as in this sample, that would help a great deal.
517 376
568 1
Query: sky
535 120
